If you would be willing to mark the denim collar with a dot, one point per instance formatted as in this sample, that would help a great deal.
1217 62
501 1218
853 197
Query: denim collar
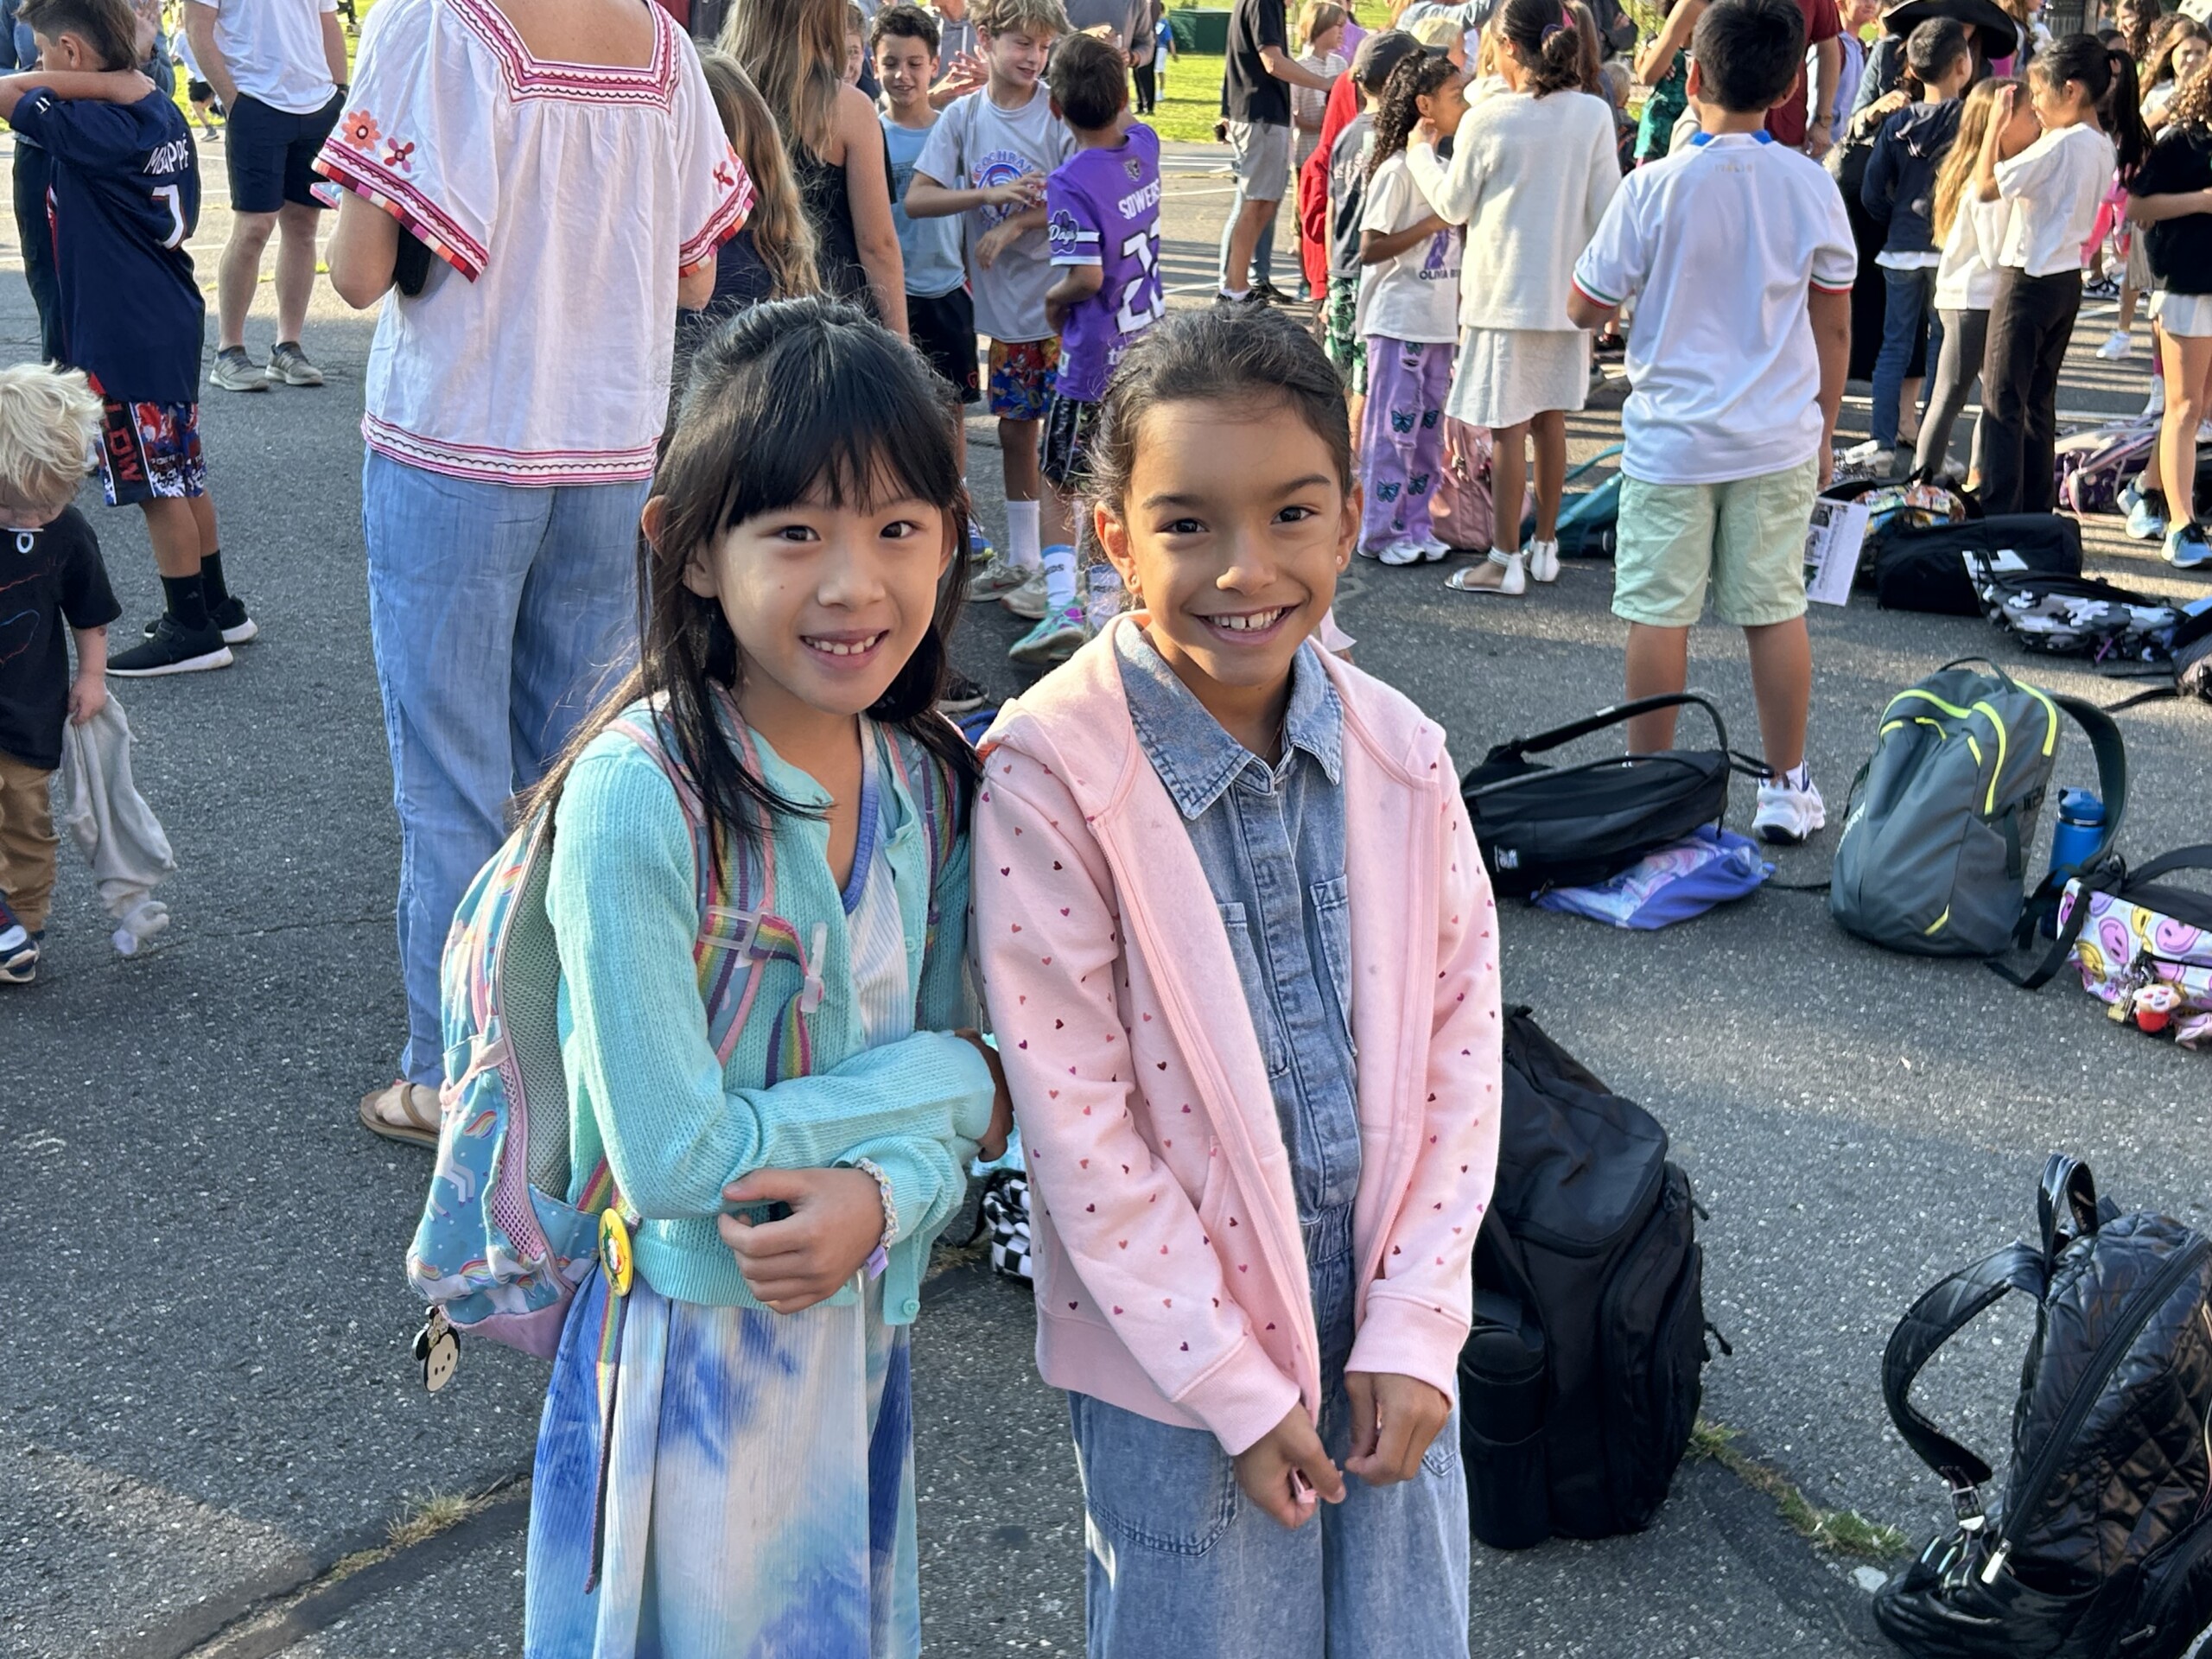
1195 757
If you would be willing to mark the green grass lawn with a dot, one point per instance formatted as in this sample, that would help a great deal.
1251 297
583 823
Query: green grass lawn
1191 101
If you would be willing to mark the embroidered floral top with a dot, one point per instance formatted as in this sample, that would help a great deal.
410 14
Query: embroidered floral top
562 200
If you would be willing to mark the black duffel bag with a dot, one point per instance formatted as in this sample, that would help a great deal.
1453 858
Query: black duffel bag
1927 569
1542 826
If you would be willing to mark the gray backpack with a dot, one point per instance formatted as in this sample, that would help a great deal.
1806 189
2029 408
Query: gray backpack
1940 823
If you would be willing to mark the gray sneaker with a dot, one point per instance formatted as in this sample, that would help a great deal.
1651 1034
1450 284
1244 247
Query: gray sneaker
289 363
236 372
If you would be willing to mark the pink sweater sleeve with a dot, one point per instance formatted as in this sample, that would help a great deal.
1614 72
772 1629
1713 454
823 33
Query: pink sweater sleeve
1048 942
1418 1313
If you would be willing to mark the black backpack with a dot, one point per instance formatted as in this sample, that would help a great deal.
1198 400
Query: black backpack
2101 1543
1580 1382
1929 569
1543 826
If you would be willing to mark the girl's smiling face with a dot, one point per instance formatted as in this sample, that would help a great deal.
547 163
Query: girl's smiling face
827 599
1234 527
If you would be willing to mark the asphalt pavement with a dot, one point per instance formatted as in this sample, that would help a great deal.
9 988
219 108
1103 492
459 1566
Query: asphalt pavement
211 1413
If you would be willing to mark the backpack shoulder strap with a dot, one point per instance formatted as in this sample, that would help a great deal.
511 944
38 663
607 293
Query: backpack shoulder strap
1939 1314
2111 751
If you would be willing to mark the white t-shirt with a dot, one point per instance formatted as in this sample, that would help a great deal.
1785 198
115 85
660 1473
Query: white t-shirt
1415 297
976 144
273 50
563 201
1965 277
1717 243
2056 184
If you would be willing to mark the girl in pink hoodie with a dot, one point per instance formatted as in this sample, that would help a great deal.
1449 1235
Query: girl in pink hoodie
1241 959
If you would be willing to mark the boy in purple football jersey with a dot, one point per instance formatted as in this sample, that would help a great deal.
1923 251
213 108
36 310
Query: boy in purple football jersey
1102 209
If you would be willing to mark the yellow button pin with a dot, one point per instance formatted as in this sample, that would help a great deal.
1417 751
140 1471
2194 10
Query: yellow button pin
615 1257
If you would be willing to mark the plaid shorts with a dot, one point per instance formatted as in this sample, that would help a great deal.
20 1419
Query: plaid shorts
150 452
1347 347
1023 372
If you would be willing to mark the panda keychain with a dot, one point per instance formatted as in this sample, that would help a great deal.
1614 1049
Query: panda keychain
437 1348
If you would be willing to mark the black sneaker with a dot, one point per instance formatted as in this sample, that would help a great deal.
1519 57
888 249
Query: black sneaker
962 697
1228 302
18 948
172 649
230 616
1267 294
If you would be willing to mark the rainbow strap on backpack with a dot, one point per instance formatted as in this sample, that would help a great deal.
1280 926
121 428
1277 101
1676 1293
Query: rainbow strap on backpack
499 1248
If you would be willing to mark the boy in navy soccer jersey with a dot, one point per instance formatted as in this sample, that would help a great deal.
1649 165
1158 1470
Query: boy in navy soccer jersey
125 195
1102 207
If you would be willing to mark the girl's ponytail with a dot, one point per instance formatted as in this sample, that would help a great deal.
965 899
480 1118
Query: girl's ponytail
1556 41
2121 110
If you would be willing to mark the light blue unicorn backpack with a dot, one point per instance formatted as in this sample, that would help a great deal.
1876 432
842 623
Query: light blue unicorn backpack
500 1248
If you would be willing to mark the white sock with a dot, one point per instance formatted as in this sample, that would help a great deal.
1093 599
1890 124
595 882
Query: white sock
1059 577
1021 535
1236 293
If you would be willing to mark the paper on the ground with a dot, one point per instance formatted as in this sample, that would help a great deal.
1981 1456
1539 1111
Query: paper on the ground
1832 544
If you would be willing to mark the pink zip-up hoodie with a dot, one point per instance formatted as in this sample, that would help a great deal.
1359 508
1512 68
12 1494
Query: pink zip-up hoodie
1170 1272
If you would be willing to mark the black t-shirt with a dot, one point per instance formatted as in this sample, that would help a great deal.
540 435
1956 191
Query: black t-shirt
51 579
2180 249
1248 92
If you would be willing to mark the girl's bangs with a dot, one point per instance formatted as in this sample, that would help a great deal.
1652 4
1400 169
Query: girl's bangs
849 426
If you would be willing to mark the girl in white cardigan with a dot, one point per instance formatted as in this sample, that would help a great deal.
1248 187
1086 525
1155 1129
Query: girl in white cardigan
1531 169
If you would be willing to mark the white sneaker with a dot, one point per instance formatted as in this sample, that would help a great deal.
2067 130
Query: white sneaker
1028 600
995 576
1544 561
1872 456
1510 585
1433 549
1788 816
2117 345
1397 553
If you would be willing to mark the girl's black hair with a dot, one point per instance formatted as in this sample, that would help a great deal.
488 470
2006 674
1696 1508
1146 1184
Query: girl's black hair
1215 356
2108 75
789 400
1556 41
1931 49
1398 112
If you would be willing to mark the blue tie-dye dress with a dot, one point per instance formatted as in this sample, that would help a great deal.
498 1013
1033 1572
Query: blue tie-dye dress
759 1478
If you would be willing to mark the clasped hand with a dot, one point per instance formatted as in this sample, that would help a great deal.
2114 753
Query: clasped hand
1394 1418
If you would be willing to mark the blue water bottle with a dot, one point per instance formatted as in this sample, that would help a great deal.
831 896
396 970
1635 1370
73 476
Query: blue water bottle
2074 838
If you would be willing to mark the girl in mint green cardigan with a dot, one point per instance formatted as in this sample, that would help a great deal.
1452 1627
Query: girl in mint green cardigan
725 1462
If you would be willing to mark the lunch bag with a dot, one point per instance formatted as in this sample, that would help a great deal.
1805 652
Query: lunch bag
1939 823
2144 945
501 1249
2075 616
1932 568
1581 1376
2099 1545
1576 826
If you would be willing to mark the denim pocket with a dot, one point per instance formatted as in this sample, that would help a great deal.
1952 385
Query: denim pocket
1444 1451
1331 902
1266 1025
1151 1485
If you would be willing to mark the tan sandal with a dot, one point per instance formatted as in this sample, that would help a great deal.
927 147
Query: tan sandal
403 1111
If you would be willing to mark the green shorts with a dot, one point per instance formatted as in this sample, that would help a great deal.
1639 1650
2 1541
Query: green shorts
1345 345
1746 538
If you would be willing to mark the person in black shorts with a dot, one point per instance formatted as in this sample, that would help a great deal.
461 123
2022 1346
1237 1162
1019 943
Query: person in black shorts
279 67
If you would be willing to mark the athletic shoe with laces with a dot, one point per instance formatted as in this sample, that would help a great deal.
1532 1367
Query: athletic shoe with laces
1245 301
235 371
230 616
18 948
962 697
1054 640
2145 522
2117 345
172 649
1434 549
2101 288
289 366
2186 548
1267 294
1787 817
1544 561
1397 553
979 550
1029 602
995 578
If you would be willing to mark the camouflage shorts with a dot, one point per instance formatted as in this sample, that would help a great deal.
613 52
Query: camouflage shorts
1346 348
